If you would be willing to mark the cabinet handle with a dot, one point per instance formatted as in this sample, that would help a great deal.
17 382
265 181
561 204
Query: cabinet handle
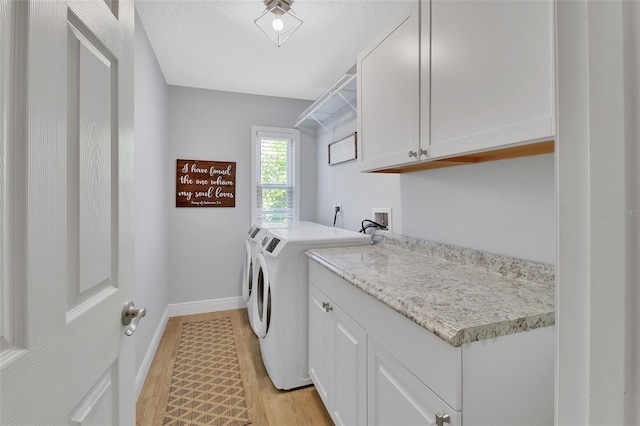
441 419
413 154
327 307
422 151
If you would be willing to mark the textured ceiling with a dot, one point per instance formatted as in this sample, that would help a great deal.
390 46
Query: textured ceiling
214 44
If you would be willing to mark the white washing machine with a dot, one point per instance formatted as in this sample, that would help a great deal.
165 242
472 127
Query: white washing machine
251 248
281 307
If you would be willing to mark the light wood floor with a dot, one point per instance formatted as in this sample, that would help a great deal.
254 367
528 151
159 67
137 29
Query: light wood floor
267 405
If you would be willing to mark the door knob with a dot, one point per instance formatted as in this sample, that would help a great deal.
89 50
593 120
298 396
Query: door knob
441 419
131 316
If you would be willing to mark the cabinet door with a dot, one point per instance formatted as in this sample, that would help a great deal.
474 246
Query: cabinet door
349 400
396 397
320 344
388 93
491 74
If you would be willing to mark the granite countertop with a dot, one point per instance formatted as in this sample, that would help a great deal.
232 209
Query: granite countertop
460 295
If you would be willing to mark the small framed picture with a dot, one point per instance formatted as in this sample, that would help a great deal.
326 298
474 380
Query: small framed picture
343 150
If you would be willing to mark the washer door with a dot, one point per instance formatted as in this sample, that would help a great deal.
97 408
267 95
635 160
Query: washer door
247 272
262 305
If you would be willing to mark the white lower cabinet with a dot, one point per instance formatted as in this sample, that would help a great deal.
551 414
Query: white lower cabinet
320 343
337 352
397 397
373 366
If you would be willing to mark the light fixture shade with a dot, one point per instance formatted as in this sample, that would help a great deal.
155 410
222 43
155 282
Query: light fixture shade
278 21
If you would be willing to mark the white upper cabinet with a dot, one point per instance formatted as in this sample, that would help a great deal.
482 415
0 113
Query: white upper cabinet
452 78
491 75
389 93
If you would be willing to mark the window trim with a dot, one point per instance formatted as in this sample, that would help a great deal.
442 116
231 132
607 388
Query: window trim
279 133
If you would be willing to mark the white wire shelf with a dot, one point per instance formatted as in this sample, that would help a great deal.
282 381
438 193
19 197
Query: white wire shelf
342 93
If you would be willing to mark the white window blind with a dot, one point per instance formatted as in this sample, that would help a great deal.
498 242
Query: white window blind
275 195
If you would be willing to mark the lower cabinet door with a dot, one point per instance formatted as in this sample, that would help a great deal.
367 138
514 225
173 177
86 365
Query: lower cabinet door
349 400
320 341
398 398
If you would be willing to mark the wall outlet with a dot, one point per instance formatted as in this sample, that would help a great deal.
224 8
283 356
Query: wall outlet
382 215
339 206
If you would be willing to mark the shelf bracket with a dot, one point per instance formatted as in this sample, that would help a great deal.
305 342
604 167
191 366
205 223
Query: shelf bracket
348 103
323 126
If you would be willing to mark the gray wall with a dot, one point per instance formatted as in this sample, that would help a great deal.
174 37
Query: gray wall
358 192
152 198
206 244
505 207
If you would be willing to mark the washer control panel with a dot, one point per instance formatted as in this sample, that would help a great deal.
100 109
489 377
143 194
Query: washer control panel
255 231
272 244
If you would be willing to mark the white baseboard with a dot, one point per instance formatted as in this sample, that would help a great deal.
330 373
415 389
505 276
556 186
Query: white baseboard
151 351
204 306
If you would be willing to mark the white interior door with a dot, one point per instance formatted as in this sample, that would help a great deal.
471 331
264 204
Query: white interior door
66 230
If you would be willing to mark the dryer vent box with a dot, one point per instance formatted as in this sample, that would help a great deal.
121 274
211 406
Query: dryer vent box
382 215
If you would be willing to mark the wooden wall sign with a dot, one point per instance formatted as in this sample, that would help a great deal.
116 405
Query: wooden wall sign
343 150
205 183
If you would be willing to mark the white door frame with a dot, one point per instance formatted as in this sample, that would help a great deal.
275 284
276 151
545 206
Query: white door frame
596 269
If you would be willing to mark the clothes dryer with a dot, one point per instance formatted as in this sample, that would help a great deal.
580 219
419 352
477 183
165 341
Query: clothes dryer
251 248
281 307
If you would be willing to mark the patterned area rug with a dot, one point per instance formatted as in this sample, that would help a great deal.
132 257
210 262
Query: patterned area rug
206 386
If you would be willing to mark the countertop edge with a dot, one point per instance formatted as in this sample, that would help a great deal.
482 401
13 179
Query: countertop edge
457 337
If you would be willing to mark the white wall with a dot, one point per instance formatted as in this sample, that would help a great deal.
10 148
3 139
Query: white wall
632 105
152 197
505 207
206 244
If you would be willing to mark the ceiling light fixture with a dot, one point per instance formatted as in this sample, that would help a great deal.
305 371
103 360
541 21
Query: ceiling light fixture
278 21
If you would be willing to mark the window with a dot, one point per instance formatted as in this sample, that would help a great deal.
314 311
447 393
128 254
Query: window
275 192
